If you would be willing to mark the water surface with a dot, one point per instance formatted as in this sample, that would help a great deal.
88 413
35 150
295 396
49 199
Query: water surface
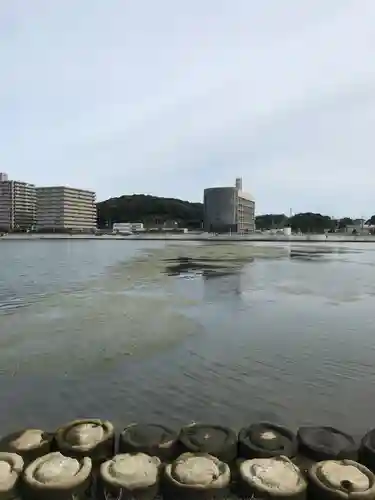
156 331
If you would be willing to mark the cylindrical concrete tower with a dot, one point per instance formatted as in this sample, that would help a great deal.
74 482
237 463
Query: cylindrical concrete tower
220 209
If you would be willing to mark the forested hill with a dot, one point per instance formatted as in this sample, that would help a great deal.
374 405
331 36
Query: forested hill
153 210
149 210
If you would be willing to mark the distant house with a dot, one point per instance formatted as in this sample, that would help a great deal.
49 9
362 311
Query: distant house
127 227
359 227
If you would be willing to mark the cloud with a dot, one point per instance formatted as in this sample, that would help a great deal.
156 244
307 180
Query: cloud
169 98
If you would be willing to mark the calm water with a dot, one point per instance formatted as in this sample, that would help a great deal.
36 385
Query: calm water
125 330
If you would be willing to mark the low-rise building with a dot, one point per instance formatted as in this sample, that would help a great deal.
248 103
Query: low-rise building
62 208
17 204
127 227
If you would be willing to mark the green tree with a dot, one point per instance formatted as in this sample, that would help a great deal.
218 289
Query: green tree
311 222
345 222
270 221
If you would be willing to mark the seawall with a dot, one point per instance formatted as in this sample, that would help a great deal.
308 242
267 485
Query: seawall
307 238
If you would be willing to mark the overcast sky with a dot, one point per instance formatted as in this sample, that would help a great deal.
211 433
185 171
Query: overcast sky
168 97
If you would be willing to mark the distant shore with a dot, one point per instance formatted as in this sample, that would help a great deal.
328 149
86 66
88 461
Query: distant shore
307 238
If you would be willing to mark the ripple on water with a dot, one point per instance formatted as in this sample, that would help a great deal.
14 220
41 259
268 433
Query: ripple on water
250 334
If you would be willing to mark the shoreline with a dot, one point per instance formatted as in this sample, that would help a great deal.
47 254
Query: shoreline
313 238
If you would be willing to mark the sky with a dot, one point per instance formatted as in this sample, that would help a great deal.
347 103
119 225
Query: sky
169 97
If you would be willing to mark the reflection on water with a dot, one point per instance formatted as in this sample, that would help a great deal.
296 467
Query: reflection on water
308 255
206 267
316 252
116 330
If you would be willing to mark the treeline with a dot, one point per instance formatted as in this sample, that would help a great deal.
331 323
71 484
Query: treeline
154 210
151 210
307 222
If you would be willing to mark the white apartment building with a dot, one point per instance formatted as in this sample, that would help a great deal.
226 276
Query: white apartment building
17 204
62 208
